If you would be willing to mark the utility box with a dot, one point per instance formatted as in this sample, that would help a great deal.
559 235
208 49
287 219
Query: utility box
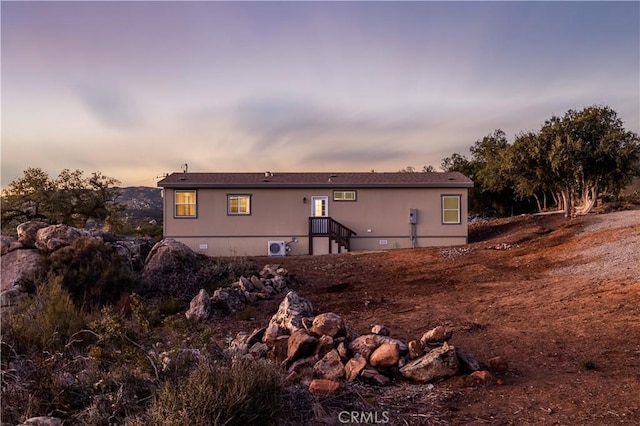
413 216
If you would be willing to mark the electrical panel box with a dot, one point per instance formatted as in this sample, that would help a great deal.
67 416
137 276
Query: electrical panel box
413 216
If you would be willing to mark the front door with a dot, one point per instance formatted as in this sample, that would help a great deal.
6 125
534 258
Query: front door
320 208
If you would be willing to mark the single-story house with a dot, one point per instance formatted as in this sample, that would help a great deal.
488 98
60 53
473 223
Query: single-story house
259 214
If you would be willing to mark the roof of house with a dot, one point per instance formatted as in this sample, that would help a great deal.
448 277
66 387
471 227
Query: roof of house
317 180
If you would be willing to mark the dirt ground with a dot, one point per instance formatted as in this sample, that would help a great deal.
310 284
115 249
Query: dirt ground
558 299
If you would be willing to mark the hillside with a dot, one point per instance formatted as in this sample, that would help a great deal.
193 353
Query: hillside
143 204
558 299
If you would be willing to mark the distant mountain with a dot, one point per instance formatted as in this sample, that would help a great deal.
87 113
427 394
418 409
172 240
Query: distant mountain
143 203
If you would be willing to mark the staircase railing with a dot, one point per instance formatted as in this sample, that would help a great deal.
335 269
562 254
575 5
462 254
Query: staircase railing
327 227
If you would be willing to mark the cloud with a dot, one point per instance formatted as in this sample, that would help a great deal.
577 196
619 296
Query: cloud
109 106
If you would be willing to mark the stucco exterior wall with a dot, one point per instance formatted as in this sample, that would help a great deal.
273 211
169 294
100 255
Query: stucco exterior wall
379 216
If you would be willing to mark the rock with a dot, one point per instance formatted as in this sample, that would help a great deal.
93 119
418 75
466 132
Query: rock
27 232
256 336
329 324
380 329
200 307
480 377
259 350
227 299
325 387
468 363
354 366
300 345
416 349
385 355
303 367
54 237
367 343
279 349
269 271
42 421
250 297
372 376
20 267
246 284
9 244
436 336
498 363
343 351
271 333
279 283
325 344
330 367
258 284
363 345
440 363
12 297
291 311
169 255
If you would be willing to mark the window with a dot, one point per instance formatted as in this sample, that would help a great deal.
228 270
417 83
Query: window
185 204
344 195
451 209
238 204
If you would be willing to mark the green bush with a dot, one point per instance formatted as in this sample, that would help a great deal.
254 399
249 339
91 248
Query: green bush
235 393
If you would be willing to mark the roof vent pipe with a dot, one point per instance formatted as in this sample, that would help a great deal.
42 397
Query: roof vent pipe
268 174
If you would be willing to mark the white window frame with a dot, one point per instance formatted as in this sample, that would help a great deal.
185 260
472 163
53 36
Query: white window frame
448 210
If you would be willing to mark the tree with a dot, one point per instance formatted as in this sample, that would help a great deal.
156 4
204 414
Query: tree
71 198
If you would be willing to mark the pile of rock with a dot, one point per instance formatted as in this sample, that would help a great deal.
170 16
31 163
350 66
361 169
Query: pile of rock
22 257
272 280
325 352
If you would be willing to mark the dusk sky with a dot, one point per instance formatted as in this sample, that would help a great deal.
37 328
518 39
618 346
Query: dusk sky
136 89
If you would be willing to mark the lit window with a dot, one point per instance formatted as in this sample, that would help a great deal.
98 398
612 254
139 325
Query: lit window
451 209
238 204
344 195
185 203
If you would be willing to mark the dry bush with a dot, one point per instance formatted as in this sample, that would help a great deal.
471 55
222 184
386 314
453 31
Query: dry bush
93 273
218 393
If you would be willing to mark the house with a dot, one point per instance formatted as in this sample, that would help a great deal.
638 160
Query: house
255 214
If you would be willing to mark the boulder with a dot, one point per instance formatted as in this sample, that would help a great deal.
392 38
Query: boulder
438 364
259 350
385 355
367 343
54 237
9 244
200 307
498 363
371 375
290 313
20 267
270 270
324 346
330 367
329 324
169 254
27 232
12 296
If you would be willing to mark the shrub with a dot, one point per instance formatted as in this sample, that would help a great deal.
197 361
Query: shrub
91 272
235 393
43 322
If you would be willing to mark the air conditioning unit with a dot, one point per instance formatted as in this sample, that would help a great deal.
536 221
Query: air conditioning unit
277 248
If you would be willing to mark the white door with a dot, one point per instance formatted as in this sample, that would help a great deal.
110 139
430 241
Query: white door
320 208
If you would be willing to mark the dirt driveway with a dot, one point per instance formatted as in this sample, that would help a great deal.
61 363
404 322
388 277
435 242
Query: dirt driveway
558 299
